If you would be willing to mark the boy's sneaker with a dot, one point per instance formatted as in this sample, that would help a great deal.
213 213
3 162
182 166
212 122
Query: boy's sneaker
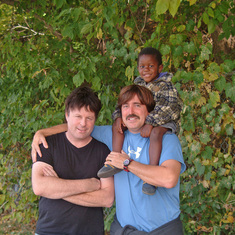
148 189
108 171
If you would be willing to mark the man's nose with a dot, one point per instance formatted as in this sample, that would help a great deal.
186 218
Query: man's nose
131 109
83 122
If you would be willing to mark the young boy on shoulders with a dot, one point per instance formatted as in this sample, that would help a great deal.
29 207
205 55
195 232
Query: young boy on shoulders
165 116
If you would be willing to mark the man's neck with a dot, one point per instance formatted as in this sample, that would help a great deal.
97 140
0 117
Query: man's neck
78 143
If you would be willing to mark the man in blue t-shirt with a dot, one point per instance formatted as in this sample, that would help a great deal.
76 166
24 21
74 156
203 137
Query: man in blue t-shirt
138 213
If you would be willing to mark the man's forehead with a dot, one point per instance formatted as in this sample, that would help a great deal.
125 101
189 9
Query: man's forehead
82 110
133 99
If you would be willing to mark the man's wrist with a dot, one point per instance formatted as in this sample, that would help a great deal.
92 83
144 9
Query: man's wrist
126 163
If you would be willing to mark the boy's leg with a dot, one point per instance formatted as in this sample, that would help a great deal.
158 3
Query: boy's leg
155 149
117 142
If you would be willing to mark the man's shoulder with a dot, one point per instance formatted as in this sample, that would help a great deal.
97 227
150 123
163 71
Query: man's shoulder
103 134
171 136
55 136
54 140
171 149
99 143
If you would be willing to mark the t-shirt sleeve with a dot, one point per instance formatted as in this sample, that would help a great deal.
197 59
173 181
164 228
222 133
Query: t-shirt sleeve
171 149
103 134
46 155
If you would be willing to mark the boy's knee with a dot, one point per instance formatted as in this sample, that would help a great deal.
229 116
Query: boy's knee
158 131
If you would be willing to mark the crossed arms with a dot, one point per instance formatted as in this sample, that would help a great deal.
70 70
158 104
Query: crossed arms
85 192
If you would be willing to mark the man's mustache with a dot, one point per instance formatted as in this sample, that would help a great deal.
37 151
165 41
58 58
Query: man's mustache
132 116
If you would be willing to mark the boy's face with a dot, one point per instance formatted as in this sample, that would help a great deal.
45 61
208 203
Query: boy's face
148 68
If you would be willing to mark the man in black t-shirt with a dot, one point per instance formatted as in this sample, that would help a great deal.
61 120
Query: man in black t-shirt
66 175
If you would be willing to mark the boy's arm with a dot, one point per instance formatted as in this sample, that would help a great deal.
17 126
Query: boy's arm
39 138
55 188
116 114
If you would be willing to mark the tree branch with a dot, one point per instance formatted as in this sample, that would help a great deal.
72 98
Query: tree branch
49 27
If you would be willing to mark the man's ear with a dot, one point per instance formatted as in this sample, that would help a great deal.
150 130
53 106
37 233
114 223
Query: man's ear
66 116
160 68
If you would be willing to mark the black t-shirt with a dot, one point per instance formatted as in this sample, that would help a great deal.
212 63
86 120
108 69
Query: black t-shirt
70 162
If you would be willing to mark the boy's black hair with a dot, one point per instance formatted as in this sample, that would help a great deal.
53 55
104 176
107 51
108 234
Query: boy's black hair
151 51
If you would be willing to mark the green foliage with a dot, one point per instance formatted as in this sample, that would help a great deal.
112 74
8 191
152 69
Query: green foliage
50 47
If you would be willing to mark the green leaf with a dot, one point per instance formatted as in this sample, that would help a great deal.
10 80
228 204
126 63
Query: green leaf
192 2
217 128
210 12
205 52
176 39
228 66
229 129
162 6
173 6
198 77
59 3
190 47
130 72
178 51
214 68
165 49
220 84
208 153
199 167
211 26
181 28
230 92
79 78
210 115
205 18
205 137
68 31
195 148
214 98
86 28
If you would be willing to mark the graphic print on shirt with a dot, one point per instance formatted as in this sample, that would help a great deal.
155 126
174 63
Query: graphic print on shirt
134 154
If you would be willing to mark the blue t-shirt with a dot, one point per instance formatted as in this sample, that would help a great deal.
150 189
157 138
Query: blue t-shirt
133 207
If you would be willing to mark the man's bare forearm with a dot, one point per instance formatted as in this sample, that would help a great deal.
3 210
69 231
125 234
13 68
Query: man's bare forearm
56 188
104 197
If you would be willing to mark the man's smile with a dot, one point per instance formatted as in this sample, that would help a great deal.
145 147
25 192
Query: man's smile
132 117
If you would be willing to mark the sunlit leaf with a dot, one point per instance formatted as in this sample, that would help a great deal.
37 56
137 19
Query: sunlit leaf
214 98
173 6
162 6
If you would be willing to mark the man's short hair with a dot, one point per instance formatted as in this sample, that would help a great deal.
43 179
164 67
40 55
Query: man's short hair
83 97
151 51
144 94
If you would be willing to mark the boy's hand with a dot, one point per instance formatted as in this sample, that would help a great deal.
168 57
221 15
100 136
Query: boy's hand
119 125
146 130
